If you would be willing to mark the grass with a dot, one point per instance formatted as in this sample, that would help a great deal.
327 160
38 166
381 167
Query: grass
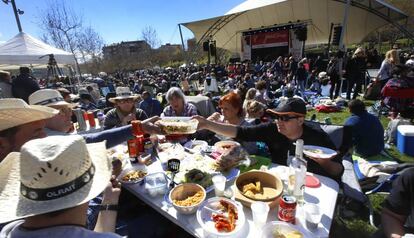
357 224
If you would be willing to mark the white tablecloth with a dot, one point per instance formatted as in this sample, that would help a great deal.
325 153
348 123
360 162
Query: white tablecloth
325 196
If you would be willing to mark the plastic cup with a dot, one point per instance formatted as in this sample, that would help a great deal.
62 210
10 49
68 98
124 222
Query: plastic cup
260 211
312 216
219 182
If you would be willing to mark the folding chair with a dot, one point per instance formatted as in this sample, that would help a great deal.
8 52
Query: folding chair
399 98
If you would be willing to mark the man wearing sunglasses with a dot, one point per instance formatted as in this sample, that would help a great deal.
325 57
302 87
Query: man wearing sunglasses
280 135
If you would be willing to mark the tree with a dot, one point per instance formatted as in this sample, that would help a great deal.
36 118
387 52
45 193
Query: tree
149 34
60 25
89 43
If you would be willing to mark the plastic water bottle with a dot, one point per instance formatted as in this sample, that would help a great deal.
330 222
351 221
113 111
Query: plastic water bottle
101 118
297 173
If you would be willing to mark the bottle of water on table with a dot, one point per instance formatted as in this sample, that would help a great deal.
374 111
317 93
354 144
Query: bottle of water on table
297 173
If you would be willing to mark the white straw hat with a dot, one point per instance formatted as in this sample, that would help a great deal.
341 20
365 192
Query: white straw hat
51 174
16 112
123 93
48 97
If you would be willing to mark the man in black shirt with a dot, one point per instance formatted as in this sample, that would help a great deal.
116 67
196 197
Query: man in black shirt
280 135
397 214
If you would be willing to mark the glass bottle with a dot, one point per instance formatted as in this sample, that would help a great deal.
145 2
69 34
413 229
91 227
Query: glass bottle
297 173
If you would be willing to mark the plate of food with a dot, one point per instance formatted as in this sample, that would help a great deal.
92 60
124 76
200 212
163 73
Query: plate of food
133 175
223 146
200 169
178 125
279 229
318 152
168 150
221 217
196 145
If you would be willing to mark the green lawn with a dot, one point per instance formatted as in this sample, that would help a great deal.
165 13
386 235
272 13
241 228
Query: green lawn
356 224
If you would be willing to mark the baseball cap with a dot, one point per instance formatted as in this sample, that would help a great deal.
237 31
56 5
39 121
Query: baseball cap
294 106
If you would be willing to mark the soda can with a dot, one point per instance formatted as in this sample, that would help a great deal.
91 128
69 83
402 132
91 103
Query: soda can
287 209
81 120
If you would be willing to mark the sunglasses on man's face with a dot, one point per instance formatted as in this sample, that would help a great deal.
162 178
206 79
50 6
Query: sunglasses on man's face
129 100
284 118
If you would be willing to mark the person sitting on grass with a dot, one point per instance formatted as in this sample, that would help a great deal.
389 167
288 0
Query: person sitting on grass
398 211
367 131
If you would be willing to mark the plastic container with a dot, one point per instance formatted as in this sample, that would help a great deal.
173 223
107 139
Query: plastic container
405 139
156 184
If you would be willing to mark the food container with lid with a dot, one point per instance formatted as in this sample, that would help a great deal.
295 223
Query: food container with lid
156 184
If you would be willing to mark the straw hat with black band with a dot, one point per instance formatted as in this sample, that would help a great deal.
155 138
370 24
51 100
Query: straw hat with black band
16 112
292 106
48 97
51 174
123 93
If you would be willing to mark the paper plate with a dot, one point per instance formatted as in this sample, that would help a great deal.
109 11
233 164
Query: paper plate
318 151
211 206
270 229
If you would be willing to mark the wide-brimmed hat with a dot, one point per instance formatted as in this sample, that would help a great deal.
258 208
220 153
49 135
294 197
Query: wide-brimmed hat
48 97
123 93
16 112
294 106
51 174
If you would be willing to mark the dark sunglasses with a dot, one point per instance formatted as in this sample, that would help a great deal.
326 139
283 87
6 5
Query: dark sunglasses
284 118
128 100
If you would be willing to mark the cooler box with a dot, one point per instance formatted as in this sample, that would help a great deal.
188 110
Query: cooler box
405 139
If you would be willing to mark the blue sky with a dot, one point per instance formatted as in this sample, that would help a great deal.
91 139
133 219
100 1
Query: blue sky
120 20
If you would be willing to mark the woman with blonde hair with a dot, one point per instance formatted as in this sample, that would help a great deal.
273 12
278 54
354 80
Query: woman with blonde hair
391 59
355 73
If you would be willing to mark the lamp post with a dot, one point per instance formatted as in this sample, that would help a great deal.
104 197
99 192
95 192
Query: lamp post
17 12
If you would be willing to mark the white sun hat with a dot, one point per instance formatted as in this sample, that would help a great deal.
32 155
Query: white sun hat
48 97
123 93
16 112
51 174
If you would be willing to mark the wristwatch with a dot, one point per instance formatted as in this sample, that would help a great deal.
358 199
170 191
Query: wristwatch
108 207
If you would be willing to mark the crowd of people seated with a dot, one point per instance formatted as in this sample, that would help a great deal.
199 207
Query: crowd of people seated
262 102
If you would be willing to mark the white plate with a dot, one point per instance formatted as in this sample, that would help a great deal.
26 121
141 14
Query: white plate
324 153
205 211
196 145
269 229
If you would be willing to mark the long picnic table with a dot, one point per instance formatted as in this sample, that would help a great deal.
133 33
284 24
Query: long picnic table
325 196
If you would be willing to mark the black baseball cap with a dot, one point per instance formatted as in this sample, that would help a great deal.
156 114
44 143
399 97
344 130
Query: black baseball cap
294 106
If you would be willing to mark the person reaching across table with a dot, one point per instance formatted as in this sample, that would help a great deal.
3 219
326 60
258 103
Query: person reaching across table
281 134
60 123
47 187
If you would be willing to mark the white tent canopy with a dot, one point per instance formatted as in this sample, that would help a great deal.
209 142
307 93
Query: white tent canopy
23 49
365 16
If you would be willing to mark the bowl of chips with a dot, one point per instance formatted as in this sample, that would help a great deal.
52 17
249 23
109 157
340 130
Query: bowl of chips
259 185
187 197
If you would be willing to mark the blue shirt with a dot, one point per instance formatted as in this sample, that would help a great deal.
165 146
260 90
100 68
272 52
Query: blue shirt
367 134
151 107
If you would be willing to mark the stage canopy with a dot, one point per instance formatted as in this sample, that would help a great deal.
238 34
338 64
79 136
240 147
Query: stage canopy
25 50
365 16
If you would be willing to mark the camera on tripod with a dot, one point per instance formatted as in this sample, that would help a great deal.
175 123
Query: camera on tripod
53 70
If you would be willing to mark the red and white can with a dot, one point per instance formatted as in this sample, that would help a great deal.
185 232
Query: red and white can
287 209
